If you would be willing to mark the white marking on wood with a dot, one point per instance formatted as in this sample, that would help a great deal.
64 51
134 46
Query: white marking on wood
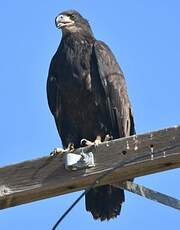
127 145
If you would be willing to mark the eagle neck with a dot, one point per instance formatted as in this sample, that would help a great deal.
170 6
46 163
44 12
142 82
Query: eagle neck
75 43
75 37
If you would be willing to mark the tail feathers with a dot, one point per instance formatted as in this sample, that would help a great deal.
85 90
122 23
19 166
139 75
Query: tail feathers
104 202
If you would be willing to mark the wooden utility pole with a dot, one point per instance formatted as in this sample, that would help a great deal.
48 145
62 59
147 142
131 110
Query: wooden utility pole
120 160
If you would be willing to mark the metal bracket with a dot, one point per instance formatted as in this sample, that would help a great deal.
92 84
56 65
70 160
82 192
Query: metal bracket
79 161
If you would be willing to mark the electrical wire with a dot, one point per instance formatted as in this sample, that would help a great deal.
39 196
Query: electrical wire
98 179
69 209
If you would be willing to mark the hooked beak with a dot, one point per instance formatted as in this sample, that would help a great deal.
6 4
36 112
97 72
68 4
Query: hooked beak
63 21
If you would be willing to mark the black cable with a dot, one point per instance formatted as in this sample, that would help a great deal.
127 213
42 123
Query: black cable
69 209
118 165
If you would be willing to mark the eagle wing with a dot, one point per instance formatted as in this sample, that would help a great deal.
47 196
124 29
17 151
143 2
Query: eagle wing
53 94
114 85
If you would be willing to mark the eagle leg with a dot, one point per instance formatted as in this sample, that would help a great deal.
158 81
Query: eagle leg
61 151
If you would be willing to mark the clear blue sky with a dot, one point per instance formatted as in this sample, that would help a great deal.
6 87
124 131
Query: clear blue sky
145 37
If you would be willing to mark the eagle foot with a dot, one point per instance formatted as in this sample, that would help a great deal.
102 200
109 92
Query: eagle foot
61 151
85 142
108 137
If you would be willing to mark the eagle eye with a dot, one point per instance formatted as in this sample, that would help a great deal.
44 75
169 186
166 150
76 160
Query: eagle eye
72 16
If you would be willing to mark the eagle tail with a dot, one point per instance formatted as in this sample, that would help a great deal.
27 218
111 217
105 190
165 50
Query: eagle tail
104 202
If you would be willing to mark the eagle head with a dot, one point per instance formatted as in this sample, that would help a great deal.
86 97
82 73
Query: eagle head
71 21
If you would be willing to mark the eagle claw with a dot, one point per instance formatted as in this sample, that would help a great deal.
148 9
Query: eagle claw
60 151
85 142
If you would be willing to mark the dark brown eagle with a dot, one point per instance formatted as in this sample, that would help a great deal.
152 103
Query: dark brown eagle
88 98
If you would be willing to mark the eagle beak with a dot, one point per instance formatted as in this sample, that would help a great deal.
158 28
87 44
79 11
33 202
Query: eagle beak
63 21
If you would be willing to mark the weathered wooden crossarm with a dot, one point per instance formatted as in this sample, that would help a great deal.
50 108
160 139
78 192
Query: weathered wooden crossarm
46 177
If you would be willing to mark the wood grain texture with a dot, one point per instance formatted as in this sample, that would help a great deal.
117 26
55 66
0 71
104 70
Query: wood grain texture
46 177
